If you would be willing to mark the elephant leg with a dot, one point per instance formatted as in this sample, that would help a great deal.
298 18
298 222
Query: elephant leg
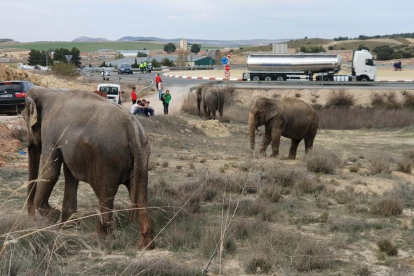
214 114
49 175
105 191
276 134
70 202
309 139
205 109
293 148
266 141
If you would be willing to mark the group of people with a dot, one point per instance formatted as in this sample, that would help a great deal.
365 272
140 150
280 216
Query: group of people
142 107
143 67
397 66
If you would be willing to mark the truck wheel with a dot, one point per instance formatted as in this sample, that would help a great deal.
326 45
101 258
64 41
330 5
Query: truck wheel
364 79
326 78
280 78
268 78
255 78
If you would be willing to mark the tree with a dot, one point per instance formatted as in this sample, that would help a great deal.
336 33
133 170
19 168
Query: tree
37 57
75 52
169 48
141 54
363 47
195 48
383 48
182 58
331 47
103 64
167 62
135 64
119 56
384 56
155 63
60 53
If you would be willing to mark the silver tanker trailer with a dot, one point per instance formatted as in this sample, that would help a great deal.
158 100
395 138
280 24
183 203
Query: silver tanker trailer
281 67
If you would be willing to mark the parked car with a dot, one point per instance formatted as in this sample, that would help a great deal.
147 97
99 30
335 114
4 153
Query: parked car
12 95
125 69
111 91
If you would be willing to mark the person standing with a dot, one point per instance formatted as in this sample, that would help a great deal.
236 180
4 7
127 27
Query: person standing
133 95
158 83
166 98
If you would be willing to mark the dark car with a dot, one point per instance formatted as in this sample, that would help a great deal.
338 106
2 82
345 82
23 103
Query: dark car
12 95
125 69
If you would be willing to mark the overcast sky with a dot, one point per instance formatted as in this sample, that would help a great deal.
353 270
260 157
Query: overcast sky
52 20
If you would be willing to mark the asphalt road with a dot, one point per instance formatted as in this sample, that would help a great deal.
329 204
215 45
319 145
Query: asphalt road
177 82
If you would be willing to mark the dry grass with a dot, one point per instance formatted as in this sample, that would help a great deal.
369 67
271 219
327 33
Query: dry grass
388 101
379 164
321 161
359 118
404 165
340 98
387 247
387 207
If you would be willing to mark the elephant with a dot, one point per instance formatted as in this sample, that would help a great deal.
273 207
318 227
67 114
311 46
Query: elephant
288 117
213 100
98 142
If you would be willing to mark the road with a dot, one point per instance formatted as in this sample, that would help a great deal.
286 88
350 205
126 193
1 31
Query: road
177 82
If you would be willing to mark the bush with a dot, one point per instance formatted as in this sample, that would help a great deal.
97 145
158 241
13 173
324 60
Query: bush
407 55
65 70
354 168
340 99
271 194
408 100
388 101
331 47
387 247
384 56
379 164
387 207
323 161
258 266
363 271
404 165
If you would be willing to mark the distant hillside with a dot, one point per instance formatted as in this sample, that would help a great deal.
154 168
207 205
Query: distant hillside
90 39
6 40
205 41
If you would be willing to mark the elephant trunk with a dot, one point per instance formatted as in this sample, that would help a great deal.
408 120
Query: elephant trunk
252 129
34 160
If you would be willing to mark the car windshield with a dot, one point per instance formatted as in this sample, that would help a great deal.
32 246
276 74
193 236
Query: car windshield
126 66
109 90
12 87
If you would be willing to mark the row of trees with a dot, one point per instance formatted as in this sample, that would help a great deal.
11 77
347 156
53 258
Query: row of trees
170 48
311 49
364 37
43 58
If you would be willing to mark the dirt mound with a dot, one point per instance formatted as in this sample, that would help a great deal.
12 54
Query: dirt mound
6 73
212 128
8 145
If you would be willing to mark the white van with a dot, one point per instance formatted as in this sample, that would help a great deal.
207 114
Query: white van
113 92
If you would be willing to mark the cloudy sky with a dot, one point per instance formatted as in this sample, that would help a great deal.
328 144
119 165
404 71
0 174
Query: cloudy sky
36 20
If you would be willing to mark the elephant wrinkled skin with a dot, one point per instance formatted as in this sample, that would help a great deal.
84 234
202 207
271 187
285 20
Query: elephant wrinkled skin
288 117
213 100
97 142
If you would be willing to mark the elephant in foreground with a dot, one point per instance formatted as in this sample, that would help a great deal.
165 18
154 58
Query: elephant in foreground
288 117
97 142
213 100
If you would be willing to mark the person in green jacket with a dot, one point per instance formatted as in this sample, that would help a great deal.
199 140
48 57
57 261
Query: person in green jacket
141 67
166 98
145 66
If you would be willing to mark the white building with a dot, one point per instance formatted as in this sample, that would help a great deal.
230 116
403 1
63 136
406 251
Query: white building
133 53
183 44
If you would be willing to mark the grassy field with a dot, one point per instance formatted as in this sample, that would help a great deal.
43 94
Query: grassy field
307 42
353 45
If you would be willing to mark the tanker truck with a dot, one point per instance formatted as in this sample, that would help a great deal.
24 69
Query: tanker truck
282 67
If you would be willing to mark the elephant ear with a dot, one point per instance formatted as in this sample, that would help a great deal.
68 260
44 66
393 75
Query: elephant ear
30 113
271 110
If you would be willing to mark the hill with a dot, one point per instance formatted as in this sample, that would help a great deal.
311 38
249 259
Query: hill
90 39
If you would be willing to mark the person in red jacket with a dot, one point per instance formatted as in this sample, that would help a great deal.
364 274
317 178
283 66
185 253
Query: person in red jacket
133 95
158 84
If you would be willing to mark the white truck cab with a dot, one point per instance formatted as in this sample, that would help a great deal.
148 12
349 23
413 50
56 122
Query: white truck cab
363 67
113 92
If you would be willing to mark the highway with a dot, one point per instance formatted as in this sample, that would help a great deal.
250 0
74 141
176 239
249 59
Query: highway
178 82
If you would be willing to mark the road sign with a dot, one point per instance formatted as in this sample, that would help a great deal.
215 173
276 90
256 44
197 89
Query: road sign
227 74
68 57
229 55
224 60
227 67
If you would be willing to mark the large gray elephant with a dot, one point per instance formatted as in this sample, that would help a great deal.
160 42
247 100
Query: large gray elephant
97 142
212 98
288 117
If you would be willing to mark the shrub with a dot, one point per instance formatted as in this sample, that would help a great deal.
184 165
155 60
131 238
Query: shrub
210 237
387 207
331 47
387 247
354 168
363 271
323 161
271 194
340 99
190 105
388 101
404 165
409 100
65 70
379 164
384 56
257 266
